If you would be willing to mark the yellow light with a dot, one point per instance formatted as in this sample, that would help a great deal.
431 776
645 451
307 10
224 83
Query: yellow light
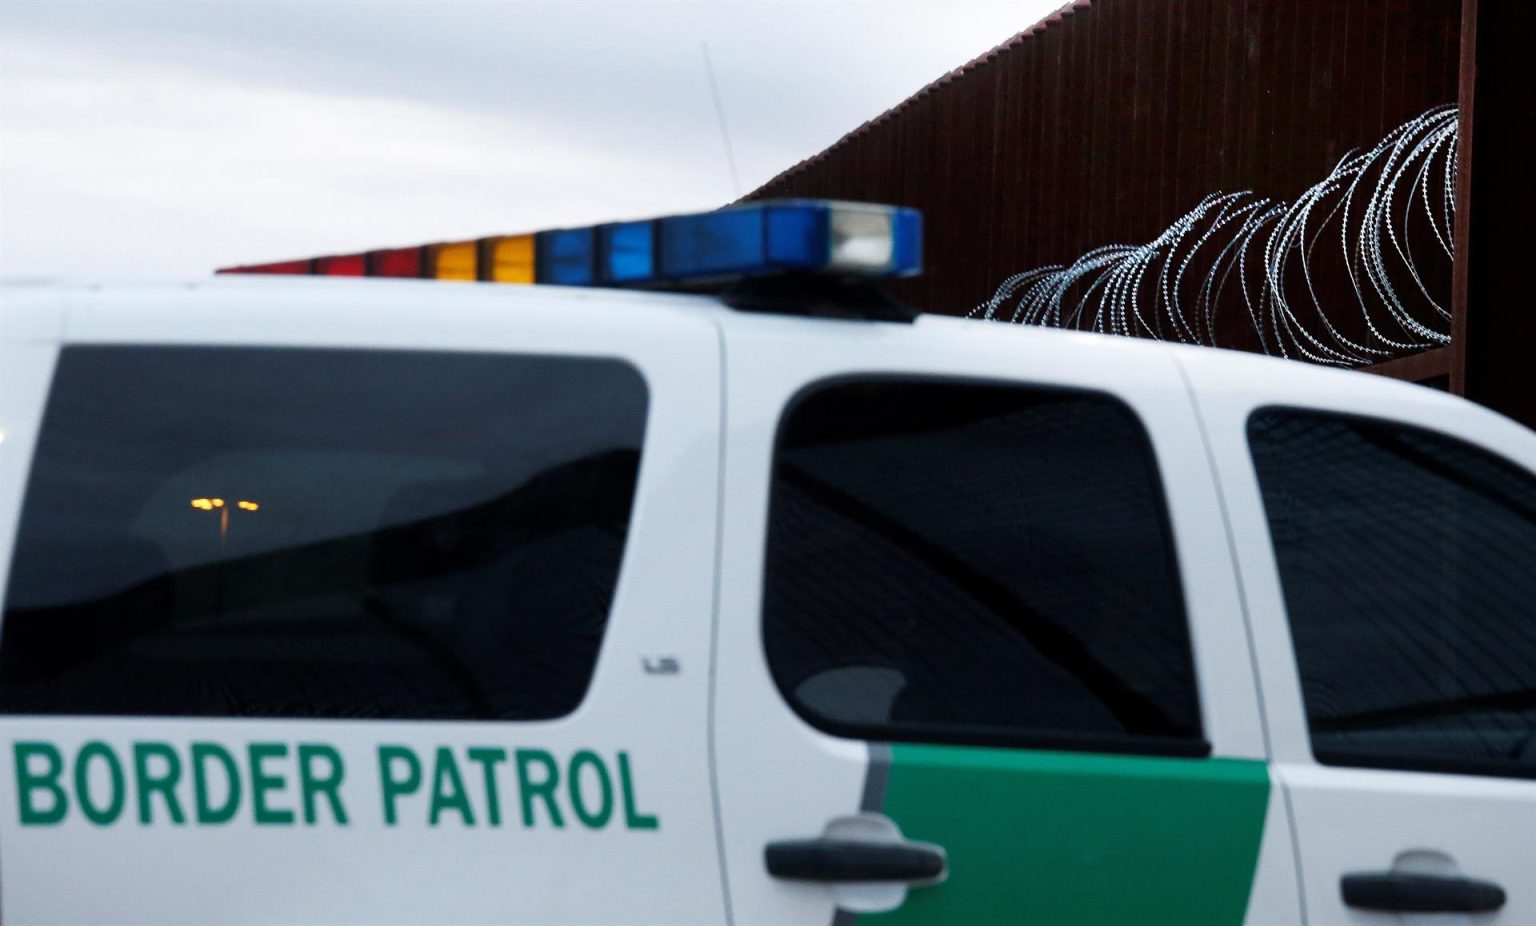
248 506
510 258
455 260
216 502
202 503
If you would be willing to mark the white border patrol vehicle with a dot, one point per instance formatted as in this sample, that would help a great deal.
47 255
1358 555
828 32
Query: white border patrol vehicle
380 601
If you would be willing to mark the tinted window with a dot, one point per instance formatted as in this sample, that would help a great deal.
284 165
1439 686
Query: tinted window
976 563
316 533
1408 563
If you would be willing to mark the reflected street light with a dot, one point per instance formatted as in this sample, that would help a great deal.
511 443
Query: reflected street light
218 504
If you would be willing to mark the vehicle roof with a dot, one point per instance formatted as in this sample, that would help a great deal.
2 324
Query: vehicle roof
41 309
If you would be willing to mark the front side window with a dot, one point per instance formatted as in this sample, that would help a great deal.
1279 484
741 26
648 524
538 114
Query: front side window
320 533
976 563
1408 564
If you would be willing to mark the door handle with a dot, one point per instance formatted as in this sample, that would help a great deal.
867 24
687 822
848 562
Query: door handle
1409 893
856 861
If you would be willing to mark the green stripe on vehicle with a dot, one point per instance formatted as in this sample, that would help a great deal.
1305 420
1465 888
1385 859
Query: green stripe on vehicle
1075 839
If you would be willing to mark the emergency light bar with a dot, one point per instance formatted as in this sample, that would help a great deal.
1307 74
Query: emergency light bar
793 238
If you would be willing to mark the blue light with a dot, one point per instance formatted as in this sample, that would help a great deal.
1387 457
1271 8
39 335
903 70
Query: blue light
565 257
837 239
797 234
724 243
627 252
907 232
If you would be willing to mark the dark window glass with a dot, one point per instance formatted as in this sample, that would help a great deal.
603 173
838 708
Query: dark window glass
976 563
320 533
1408 563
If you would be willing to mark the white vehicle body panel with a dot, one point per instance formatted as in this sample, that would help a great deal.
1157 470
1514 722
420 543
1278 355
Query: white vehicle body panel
1357 819
779 777
368 871
718 757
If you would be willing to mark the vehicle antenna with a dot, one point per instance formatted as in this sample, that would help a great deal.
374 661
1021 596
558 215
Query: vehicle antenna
725 135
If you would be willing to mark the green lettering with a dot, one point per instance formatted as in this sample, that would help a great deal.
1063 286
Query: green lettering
29 781
448 789
163 784
632 817
313 785
598 819
99 815
206 812
529 789
488 757
263 782
393 787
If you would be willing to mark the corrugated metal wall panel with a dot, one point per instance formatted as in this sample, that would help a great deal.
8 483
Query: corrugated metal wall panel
1109 120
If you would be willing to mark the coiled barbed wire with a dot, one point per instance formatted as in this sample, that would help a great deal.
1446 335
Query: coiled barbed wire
1242 245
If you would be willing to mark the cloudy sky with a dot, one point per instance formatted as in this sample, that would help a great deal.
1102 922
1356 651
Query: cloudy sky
167 138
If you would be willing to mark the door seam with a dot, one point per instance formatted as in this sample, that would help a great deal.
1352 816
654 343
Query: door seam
714 631
1271 767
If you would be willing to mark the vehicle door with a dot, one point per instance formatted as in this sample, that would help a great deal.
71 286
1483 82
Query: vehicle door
357 603
1387 538
969 575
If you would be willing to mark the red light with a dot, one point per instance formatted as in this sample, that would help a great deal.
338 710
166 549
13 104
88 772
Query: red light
286 266
396 262
342 265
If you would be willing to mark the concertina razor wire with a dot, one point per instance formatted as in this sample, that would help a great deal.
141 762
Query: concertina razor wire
1369 210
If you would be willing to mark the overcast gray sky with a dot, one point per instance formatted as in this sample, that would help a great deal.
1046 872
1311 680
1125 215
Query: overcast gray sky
167 138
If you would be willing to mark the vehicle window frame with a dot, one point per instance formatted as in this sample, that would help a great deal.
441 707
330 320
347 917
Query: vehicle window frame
1337 758
1196 746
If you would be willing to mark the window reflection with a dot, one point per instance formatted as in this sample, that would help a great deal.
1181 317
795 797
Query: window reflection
320 533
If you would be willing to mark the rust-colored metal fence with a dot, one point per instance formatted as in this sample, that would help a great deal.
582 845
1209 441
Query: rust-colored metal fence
1112 118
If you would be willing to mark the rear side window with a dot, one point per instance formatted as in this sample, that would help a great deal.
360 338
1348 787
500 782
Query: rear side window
320 533
1408 564
976 563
